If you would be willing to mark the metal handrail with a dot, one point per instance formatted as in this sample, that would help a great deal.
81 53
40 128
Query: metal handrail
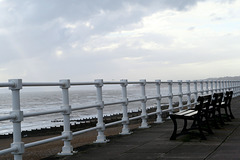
193 89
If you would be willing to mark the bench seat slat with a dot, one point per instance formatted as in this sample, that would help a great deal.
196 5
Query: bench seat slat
192 113
184 112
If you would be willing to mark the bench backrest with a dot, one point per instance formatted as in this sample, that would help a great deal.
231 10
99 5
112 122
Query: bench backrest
228 97
203 102
217 99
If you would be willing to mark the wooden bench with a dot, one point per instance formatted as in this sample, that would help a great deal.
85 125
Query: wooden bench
215 106
226 105
198 117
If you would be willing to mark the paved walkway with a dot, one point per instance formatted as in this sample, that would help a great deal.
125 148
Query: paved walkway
154 144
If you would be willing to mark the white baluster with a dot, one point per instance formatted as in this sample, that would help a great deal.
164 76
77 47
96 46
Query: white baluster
216 86
67 149
125 119
16 111
188 94
195 92
101 138
159 108
144 123
207 90
211 83
180 95
170 97
201 87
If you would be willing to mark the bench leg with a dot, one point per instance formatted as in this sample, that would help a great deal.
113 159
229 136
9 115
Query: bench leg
174 134
231 115
220 116
215 120
226 112
209 130
184 126
202 136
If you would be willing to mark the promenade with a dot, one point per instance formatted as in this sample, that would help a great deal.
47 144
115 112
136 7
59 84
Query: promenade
154 143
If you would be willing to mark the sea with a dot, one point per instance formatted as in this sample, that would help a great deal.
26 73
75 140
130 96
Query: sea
44 99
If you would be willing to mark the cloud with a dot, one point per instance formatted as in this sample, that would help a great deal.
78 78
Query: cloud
85 40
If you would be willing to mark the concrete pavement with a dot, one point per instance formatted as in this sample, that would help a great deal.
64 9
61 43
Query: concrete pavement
154 144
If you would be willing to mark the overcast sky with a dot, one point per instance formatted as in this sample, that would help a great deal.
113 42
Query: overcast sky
83 40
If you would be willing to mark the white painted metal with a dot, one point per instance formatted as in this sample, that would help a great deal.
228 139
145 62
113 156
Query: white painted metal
16 115
101 138
211 85
170 97
195 92
125 119
180 95
220 86
16 110
188 94
144 123
158 99
207 90
67 149
201 87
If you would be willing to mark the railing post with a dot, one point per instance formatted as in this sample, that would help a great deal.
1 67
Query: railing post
170 97
188 94
159 108
16 111
67 149
219 85
216 86
101 138
211 83
234 88
195 92
125 119
207 89
144 116
228 85
223 87
180 95
201 87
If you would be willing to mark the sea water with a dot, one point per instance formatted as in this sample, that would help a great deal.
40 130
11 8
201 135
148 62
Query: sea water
44 100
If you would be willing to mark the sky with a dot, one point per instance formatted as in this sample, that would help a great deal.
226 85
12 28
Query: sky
84 40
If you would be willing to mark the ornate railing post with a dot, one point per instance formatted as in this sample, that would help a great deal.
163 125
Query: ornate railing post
16 111
67 149
211 84
170 97
188 94
219 86
144 123
201 87
159 108
125 119
223 87
207 89
180 95
101 138
216 86
195 92
228 85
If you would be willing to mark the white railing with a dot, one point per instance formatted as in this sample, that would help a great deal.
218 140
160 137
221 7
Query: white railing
192 90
